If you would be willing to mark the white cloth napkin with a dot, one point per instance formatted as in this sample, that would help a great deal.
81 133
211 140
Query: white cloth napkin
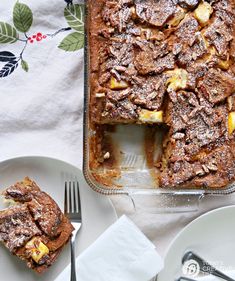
121 253
41 110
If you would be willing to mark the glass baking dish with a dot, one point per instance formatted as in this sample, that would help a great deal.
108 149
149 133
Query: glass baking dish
130 173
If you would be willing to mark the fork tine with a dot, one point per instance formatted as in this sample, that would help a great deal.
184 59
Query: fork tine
74 199
79 200
65 199
70 198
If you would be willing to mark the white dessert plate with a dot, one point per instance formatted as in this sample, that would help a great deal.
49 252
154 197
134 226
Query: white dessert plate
50 174
211 236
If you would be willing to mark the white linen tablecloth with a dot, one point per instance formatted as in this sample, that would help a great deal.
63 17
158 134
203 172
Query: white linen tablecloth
41 111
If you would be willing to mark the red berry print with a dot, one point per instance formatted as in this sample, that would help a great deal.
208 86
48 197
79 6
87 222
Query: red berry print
39 37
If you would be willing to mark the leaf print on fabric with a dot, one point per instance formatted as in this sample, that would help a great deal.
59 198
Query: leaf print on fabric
6 56
74 15
24 65
23 20
8 68
69 1
72 42
22 17
8 33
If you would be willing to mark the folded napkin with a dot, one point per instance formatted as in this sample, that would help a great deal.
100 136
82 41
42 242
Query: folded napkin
121 253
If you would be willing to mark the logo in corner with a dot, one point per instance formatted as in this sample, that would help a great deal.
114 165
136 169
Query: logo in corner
191 268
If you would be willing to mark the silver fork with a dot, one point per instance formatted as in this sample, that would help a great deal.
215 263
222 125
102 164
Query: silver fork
205 266
185 279
72 209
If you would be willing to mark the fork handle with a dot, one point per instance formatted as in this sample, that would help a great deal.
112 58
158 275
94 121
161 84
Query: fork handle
73 257
205 266
185 279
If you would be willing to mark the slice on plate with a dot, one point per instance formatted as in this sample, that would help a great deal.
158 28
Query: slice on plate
33 227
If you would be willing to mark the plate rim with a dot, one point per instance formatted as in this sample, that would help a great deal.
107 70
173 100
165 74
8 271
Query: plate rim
61 161
193 222
185 229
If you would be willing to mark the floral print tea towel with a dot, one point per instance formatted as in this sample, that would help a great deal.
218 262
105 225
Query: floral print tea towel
41 78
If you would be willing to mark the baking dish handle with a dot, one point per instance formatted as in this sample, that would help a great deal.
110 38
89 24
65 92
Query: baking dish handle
165 202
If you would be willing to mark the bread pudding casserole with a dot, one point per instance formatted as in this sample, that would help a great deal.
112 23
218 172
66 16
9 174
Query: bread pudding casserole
169 63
